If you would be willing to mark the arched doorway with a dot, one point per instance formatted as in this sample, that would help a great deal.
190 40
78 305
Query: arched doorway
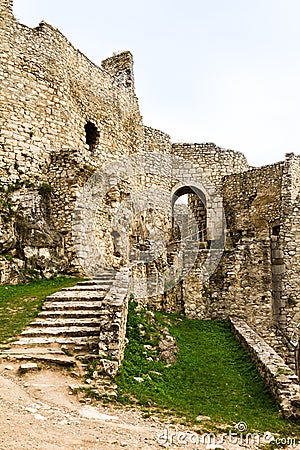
189 215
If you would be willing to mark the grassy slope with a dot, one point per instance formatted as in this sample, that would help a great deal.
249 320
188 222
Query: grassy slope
212 375
19 304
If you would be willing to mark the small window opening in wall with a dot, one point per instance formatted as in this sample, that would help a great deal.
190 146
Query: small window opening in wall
91 135
276 230
116 241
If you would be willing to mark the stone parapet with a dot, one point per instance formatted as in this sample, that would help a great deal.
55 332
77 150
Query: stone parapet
113 323
280 379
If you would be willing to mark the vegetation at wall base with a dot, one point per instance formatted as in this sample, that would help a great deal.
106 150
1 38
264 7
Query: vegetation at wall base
21 303
212 376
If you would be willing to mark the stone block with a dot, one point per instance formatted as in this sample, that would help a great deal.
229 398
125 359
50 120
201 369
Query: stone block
28 367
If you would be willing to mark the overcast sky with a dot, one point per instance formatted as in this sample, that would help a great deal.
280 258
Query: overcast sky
222 71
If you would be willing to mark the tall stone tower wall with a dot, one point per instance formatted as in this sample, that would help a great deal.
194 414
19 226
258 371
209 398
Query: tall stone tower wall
50 91
61 118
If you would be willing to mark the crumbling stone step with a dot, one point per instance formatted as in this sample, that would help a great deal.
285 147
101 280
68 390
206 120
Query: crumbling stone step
59 359
66 361
33 351
69 313
82 305
111 272
91 294
109 280
70 340
62 331
65 321
104 276
100 282
87 288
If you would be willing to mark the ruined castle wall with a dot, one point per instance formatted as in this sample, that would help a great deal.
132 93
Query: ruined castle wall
213 162
203 166
289 240
252 201
240 286
49 90
156 141
199 166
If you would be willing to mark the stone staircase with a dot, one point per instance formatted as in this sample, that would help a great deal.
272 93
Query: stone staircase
67 326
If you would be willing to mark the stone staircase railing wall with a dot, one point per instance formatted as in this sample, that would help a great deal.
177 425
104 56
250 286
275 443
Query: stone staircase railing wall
280 379
113 324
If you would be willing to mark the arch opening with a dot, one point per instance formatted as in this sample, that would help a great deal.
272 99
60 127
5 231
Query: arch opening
187 202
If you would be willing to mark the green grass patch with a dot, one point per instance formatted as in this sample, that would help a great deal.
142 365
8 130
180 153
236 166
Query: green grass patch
20 304
212 376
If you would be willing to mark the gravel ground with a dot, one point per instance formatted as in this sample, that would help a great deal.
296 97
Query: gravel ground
37 411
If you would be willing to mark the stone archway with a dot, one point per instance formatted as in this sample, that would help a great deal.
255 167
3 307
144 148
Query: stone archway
189 201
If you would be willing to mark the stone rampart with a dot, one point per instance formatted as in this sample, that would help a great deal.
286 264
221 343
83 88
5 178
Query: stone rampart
280 379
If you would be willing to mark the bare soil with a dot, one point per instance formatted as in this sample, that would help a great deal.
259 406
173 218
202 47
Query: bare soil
39 411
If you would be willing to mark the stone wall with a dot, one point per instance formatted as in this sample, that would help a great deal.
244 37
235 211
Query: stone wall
288 267
236 286
156 140
213 162
280 379
252 202
113 324
49 91
61 118
289 239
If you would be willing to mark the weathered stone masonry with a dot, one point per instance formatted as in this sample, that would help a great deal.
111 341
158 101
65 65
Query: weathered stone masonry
280 379
62 118
49 93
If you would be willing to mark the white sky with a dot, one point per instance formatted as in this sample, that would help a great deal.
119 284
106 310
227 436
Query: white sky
222 71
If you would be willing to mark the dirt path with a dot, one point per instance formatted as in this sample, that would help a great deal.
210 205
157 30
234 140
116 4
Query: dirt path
37 411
